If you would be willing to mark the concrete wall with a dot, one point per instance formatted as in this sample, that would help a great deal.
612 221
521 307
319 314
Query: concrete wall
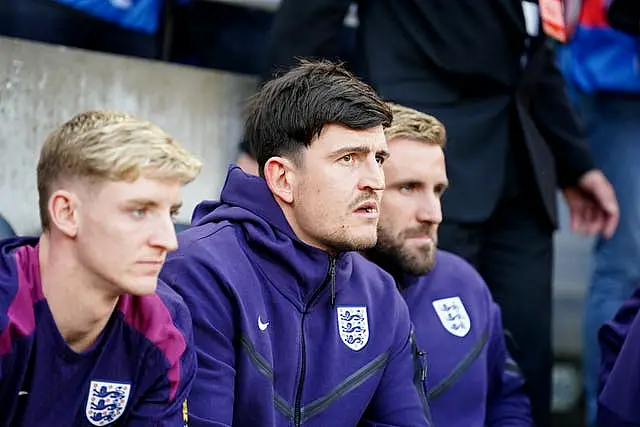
42 86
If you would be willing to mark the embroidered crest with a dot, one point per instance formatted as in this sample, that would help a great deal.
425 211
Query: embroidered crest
106 402
353 326
453 315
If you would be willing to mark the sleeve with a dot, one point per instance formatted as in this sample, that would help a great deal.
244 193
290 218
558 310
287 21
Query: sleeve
400 399
211 402
619 369
558 124
320 21
164 404
507 403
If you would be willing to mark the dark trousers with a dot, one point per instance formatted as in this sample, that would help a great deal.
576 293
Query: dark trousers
513 251
50 22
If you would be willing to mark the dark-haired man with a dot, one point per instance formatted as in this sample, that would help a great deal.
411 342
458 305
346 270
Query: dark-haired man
291 326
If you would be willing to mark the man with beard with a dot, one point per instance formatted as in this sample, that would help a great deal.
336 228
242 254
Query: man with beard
472 379
291 326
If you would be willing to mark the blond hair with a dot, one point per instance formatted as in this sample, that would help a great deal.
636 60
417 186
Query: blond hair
107 145
411 124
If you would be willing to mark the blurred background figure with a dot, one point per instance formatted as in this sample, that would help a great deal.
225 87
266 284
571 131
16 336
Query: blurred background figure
125 27
600 64
245 159
5 229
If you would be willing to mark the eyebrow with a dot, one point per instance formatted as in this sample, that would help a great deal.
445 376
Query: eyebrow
358 149
147 203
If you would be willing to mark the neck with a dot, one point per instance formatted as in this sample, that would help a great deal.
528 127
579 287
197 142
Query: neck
80 307
290 217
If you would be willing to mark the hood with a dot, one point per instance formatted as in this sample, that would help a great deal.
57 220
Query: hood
247 201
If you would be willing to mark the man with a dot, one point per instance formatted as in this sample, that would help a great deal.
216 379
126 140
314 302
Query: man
87 334
472 379
601 66
291 326
485 69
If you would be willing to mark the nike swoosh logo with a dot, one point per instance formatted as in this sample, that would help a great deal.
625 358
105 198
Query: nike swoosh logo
262 326
23 393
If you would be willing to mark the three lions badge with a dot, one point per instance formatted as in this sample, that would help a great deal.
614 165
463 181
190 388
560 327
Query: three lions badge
106 402
353 326
453 315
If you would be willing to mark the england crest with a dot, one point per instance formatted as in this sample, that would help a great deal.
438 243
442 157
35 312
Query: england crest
453 315
106 402
353 326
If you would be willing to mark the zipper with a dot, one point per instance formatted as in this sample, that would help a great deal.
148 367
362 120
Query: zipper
351 383
297 414
461 368
420 375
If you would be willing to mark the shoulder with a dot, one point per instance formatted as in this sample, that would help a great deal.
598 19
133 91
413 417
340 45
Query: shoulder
378 283
456 273
19 288
163 319
378 286
207 255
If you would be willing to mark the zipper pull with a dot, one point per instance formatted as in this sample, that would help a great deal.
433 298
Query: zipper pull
423 360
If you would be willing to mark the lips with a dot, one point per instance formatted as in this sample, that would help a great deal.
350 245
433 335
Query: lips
369 207
151 262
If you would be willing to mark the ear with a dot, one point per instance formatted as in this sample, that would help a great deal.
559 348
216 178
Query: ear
63 210
280 176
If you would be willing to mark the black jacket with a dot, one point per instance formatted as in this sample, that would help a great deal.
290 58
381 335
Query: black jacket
460 60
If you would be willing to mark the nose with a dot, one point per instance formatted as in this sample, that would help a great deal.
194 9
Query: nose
372 176
430 210
164 236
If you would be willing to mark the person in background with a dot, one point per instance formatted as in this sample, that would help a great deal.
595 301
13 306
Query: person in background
292 326
472 379
123 27
245 159
600 64
88 336
5 228
486 70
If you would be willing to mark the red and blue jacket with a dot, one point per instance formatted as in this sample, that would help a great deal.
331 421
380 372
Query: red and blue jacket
600 58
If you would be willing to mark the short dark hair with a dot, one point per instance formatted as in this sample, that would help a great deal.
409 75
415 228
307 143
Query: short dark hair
289 111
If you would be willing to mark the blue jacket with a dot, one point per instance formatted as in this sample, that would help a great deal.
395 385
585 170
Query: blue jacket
273 350
600 58
472 379
138 15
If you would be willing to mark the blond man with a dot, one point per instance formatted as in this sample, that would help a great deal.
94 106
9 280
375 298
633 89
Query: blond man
471 380
88 336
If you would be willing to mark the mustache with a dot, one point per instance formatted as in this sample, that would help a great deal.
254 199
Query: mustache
369 196
421 230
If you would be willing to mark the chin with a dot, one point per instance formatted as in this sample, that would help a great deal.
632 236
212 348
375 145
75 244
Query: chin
142 286
363 242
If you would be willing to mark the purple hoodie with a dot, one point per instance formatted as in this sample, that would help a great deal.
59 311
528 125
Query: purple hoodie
286 334
473 381
620 367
